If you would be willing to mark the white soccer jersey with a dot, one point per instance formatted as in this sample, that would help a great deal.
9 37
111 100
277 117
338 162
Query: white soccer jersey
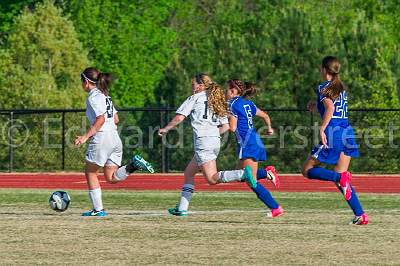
99 104
204 122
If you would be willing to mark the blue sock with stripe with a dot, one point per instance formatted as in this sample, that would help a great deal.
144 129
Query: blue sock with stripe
323 174
354 203
265 196
261 173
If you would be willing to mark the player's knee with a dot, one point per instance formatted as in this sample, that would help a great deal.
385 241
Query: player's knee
110 180
304 172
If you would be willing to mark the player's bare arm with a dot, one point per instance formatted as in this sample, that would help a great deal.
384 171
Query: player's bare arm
329 109
92 131
173 123
267 121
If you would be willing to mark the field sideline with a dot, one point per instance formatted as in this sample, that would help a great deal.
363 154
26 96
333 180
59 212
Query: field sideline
289 183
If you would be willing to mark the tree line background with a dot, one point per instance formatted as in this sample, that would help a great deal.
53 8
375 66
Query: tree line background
155 47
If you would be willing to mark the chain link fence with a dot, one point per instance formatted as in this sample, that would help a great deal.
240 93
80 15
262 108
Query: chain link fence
43 140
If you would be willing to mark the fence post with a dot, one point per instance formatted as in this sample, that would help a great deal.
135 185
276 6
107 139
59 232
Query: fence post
63 141
10 144
167 162
312 130
163 148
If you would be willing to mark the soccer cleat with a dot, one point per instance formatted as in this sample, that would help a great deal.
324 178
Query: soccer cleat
175 211
139 163
360 220
248 177
272 175
101 213
276 212
344 183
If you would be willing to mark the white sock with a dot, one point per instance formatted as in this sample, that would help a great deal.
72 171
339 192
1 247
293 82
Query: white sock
95 197
121 173
186 196
229 176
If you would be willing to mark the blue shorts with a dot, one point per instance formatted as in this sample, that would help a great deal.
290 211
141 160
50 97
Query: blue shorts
340 139
252 150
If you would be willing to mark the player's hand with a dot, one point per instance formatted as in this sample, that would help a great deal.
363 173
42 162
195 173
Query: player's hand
80 140
270 131
312 106
323 139
162 132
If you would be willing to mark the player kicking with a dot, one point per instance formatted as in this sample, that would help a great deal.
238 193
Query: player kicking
251 149
337 145
105 146
208 109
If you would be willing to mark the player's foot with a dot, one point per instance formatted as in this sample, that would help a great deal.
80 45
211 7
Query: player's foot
276 212
272 175
175 211
360 220
139 163
344 182
248 177
101 213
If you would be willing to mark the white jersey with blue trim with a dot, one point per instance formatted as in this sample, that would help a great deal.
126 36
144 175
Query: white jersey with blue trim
99 104
204 121
340 114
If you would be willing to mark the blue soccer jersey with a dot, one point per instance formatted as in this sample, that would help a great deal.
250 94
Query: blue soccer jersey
249 142
340 116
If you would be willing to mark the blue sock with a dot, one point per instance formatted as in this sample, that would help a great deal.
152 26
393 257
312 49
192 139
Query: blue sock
265 196
261 173
323 174
354 203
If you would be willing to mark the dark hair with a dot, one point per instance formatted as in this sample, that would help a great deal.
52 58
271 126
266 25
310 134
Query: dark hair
246 89
332 66
102 80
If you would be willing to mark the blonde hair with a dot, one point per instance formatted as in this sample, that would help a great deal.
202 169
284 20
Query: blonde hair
216 97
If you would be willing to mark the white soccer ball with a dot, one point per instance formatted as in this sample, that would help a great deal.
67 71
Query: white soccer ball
59 201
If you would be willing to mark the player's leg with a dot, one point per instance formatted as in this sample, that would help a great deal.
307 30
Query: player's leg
361 217
91 171
269 172
311 170
262 193
187 190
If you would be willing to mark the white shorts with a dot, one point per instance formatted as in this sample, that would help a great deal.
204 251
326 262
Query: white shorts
206 149
105 148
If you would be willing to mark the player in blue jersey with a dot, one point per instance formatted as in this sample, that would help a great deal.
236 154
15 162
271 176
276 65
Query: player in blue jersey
251 149
337 141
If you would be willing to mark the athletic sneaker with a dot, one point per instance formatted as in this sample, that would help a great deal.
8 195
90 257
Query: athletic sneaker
248 177
175 211
139 163
344 183
101 213
275 212
360 220
272 175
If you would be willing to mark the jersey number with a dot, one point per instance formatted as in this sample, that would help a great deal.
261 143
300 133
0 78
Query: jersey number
110 109
205 116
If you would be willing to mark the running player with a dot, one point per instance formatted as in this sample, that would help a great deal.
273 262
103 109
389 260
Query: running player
337 145
208 111
105 146
251 149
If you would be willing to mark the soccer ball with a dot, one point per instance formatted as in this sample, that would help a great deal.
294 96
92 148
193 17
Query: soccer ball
59 201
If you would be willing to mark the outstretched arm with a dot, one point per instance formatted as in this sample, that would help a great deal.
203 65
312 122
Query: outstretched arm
267 121
173 123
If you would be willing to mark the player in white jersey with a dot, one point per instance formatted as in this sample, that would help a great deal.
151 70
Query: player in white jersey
105 146
207 109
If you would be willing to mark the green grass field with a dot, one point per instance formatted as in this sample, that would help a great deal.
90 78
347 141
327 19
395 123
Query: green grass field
223 229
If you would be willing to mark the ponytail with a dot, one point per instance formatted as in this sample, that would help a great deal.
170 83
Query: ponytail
245 89
101 80
335 87
215 95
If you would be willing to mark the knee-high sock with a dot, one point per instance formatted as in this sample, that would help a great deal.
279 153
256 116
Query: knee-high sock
265 196
95 198
323 174
261 173
186 196
354 202
229 176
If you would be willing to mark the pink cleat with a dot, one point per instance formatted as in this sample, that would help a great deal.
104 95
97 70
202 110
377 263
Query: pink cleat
344 183
272 175
276 212
360 220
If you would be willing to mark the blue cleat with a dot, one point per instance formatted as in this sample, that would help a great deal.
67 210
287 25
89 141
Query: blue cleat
101 213
139 163
248 177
